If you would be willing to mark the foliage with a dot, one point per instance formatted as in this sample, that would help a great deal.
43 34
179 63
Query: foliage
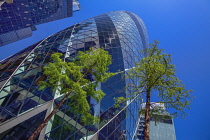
77 80
120 101
157 113
156 75
66 128
73 77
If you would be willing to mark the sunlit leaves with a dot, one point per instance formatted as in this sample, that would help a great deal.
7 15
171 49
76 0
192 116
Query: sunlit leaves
79 79
158 74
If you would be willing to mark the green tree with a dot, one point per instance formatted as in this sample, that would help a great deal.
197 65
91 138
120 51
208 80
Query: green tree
71 79
157 76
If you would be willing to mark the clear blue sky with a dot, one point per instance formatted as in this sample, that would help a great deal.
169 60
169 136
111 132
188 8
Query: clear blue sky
183 29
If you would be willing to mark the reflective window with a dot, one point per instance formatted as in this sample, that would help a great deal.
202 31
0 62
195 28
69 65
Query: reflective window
121 33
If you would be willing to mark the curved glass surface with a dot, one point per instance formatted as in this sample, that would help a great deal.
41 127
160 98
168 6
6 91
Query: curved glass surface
121 33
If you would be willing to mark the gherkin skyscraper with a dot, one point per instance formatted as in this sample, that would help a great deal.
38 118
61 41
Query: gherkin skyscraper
23 107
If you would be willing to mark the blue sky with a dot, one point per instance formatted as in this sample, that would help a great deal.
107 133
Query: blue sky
183 29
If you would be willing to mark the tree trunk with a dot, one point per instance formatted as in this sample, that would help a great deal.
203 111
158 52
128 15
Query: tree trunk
39 129
147 117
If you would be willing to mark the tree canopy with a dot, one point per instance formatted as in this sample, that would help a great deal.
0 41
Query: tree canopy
77 80
157 76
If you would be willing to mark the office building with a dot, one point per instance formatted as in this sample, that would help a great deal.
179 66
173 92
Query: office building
160 129
18 18
23 107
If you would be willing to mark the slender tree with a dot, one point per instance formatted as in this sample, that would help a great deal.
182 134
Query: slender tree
77 80
157 76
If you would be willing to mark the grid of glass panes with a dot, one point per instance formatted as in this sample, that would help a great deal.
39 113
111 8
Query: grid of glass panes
108 38
21 74
101 31
27 13
131 43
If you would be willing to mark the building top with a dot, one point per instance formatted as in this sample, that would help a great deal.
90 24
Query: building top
76 5
154 105
161 128
21 14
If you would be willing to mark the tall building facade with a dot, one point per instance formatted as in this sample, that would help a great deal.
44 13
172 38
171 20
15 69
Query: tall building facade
161 129
23 107
18 19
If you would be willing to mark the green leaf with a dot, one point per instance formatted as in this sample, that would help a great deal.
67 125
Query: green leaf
78 79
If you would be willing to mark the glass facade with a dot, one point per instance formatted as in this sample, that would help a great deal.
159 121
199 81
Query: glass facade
12 36
121 33
22 14
161 129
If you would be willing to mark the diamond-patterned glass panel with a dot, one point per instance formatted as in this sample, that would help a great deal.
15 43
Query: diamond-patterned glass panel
122 34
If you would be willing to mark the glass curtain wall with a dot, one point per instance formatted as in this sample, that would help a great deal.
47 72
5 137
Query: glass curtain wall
121 33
